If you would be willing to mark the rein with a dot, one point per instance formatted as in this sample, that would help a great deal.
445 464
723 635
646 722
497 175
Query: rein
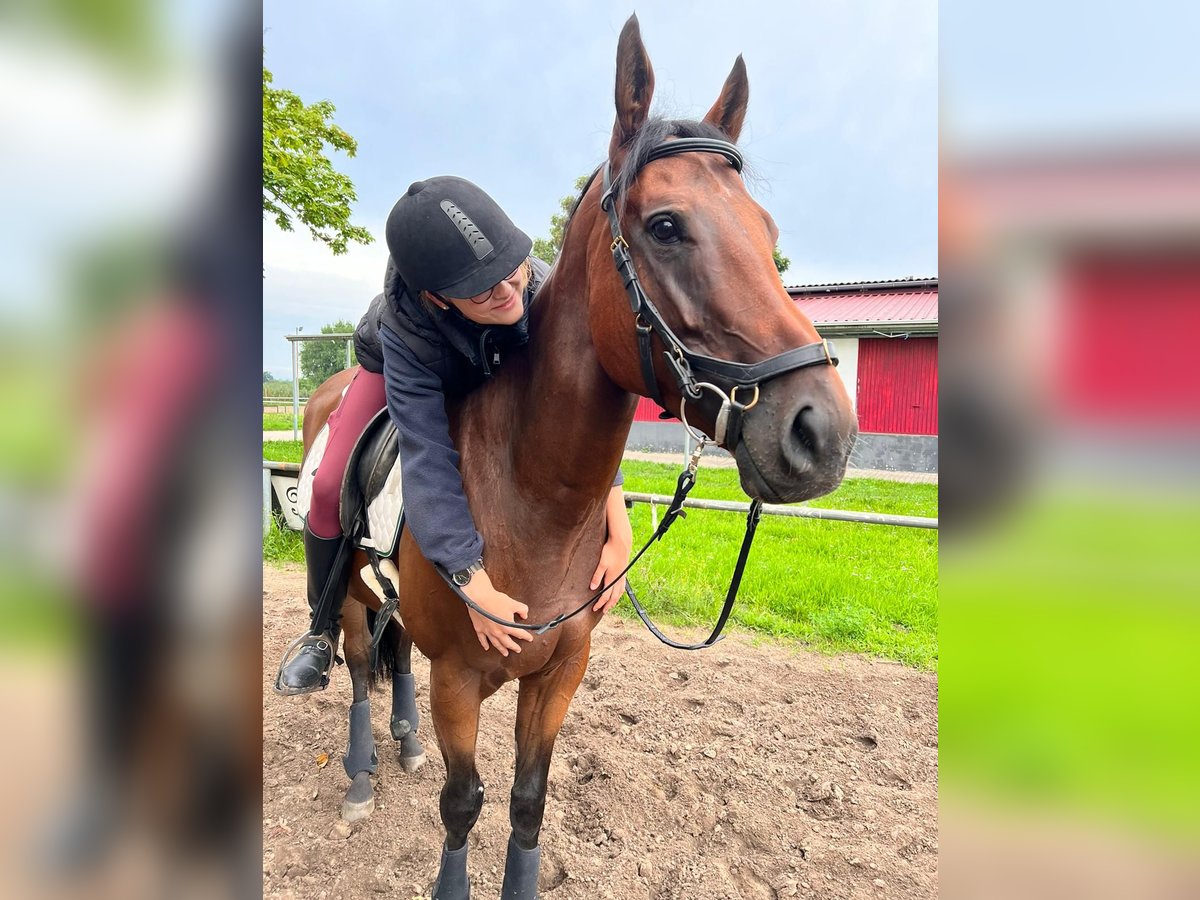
684 364
687 479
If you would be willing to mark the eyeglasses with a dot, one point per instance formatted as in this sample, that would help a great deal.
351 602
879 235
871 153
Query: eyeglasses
512 281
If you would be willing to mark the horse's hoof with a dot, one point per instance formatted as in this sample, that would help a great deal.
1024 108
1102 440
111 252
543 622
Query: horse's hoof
352 812
412 763
360 798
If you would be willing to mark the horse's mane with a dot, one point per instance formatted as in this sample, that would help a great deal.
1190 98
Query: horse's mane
655 130
649 136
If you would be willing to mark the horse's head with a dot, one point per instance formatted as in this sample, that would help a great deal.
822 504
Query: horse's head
715 336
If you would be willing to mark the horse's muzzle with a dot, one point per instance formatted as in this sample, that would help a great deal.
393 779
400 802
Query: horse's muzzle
795 448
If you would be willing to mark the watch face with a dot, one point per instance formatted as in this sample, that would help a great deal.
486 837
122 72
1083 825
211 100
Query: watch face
463 576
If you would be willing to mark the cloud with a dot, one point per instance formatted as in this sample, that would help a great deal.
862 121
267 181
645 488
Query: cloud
842 122
304 285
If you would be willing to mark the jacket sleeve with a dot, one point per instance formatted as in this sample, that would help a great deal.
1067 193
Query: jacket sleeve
435 507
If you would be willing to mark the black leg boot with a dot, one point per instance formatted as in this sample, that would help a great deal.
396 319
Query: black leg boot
520 872
306 663
452 881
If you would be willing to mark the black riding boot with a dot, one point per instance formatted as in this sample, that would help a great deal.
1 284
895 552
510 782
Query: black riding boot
328 561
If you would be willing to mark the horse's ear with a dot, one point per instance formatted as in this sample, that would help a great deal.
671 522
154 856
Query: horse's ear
729 111
635 85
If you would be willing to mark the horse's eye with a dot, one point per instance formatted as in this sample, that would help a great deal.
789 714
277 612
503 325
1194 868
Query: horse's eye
664 231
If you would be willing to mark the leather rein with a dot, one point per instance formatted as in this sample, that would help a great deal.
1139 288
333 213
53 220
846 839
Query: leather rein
685 365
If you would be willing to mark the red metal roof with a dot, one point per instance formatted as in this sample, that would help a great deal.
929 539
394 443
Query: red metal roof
1087 190
881 303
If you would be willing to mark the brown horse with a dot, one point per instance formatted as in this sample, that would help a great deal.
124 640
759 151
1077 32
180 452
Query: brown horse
541 442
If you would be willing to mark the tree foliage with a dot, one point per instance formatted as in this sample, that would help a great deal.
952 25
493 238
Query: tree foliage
267 376
321 359
546 249
781 261
298 178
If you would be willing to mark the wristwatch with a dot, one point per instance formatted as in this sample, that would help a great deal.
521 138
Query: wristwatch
463 576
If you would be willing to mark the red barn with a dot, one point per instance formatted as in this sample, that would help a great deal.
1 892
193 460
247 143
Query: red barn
886 334
1097 246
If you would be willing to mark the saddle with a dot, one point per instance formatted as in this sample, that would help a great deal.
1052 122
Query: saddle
372 503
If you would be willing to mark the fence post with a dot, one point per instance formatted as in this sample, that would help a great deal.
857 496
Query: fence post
295 389
266 502
349 344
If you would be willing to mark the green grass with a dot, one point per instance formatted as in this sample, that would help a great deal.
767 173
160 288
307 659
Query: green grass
283 544
1072 680
280 421
38 613
36 448
862 494
283 451
836 586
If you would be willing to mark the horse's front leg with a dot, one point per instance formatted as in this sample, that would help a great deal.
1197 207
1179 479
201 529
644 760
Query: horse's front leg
541 708
455 695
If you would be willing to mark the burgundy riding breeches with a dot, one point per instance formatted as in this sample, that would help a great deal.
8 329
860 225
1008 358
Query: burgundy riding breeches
364 398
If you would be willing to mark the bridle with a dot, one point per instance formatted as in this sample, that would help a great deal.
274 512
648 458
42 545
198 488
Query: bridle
685 364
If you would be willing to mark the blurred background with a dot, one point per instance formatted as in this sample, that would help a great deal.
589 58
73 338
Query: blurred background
1070 411
1070 406
128 319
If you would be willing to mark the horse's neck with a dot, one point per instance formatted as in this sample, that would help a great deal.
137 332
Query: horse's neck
575 411
551 432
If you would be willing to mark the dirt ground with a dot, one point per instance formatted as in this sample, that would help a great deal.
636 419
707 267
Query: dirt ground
750 770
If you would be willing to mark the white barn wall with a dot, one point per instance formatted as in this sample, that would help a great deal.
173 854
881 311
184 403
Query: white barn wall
847 367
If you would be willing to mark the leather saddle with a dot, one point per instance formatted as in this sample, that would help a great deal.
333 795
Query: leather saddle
372 505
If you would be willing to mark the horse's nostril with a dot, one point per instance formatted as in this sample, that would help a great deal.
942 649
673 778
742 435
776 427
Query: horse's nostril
803 437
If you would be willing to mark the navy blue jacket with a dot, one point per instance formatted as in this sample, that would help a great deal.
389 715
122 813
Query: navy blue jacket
426 355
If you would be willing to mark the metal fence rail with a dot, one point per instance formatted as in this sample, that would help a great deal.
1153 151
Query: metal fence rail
769 509
281 401
798 512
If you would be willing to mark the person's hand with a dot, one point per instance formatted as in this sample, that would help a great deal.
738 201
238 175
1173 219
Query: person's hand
500 605
614 557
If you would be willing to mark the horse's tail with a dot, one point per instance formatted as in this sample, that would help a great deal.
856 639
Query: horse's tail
388 660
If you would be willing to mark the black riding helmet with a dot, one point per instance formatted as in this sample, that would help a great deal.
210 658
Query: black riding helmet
447 236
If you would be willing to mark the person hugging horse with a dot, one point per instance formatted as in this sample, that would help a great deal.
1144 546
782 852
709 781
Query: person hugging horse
458 290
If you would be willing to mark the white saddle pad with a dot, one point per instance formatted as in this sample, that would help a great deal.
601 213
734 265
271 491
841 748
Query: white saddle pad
383 513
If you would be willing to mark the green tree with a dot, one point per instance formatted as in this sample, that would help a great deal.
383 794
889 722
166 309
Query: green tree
267 376
321 359
781 261
298 178
546 249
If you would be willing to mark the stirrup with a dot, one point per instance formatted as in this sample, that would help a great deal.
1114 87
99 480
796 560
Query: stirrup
308 639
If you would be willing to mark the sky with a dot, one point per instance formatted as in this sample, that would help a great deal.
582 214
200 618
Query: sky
841 131
1031 72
